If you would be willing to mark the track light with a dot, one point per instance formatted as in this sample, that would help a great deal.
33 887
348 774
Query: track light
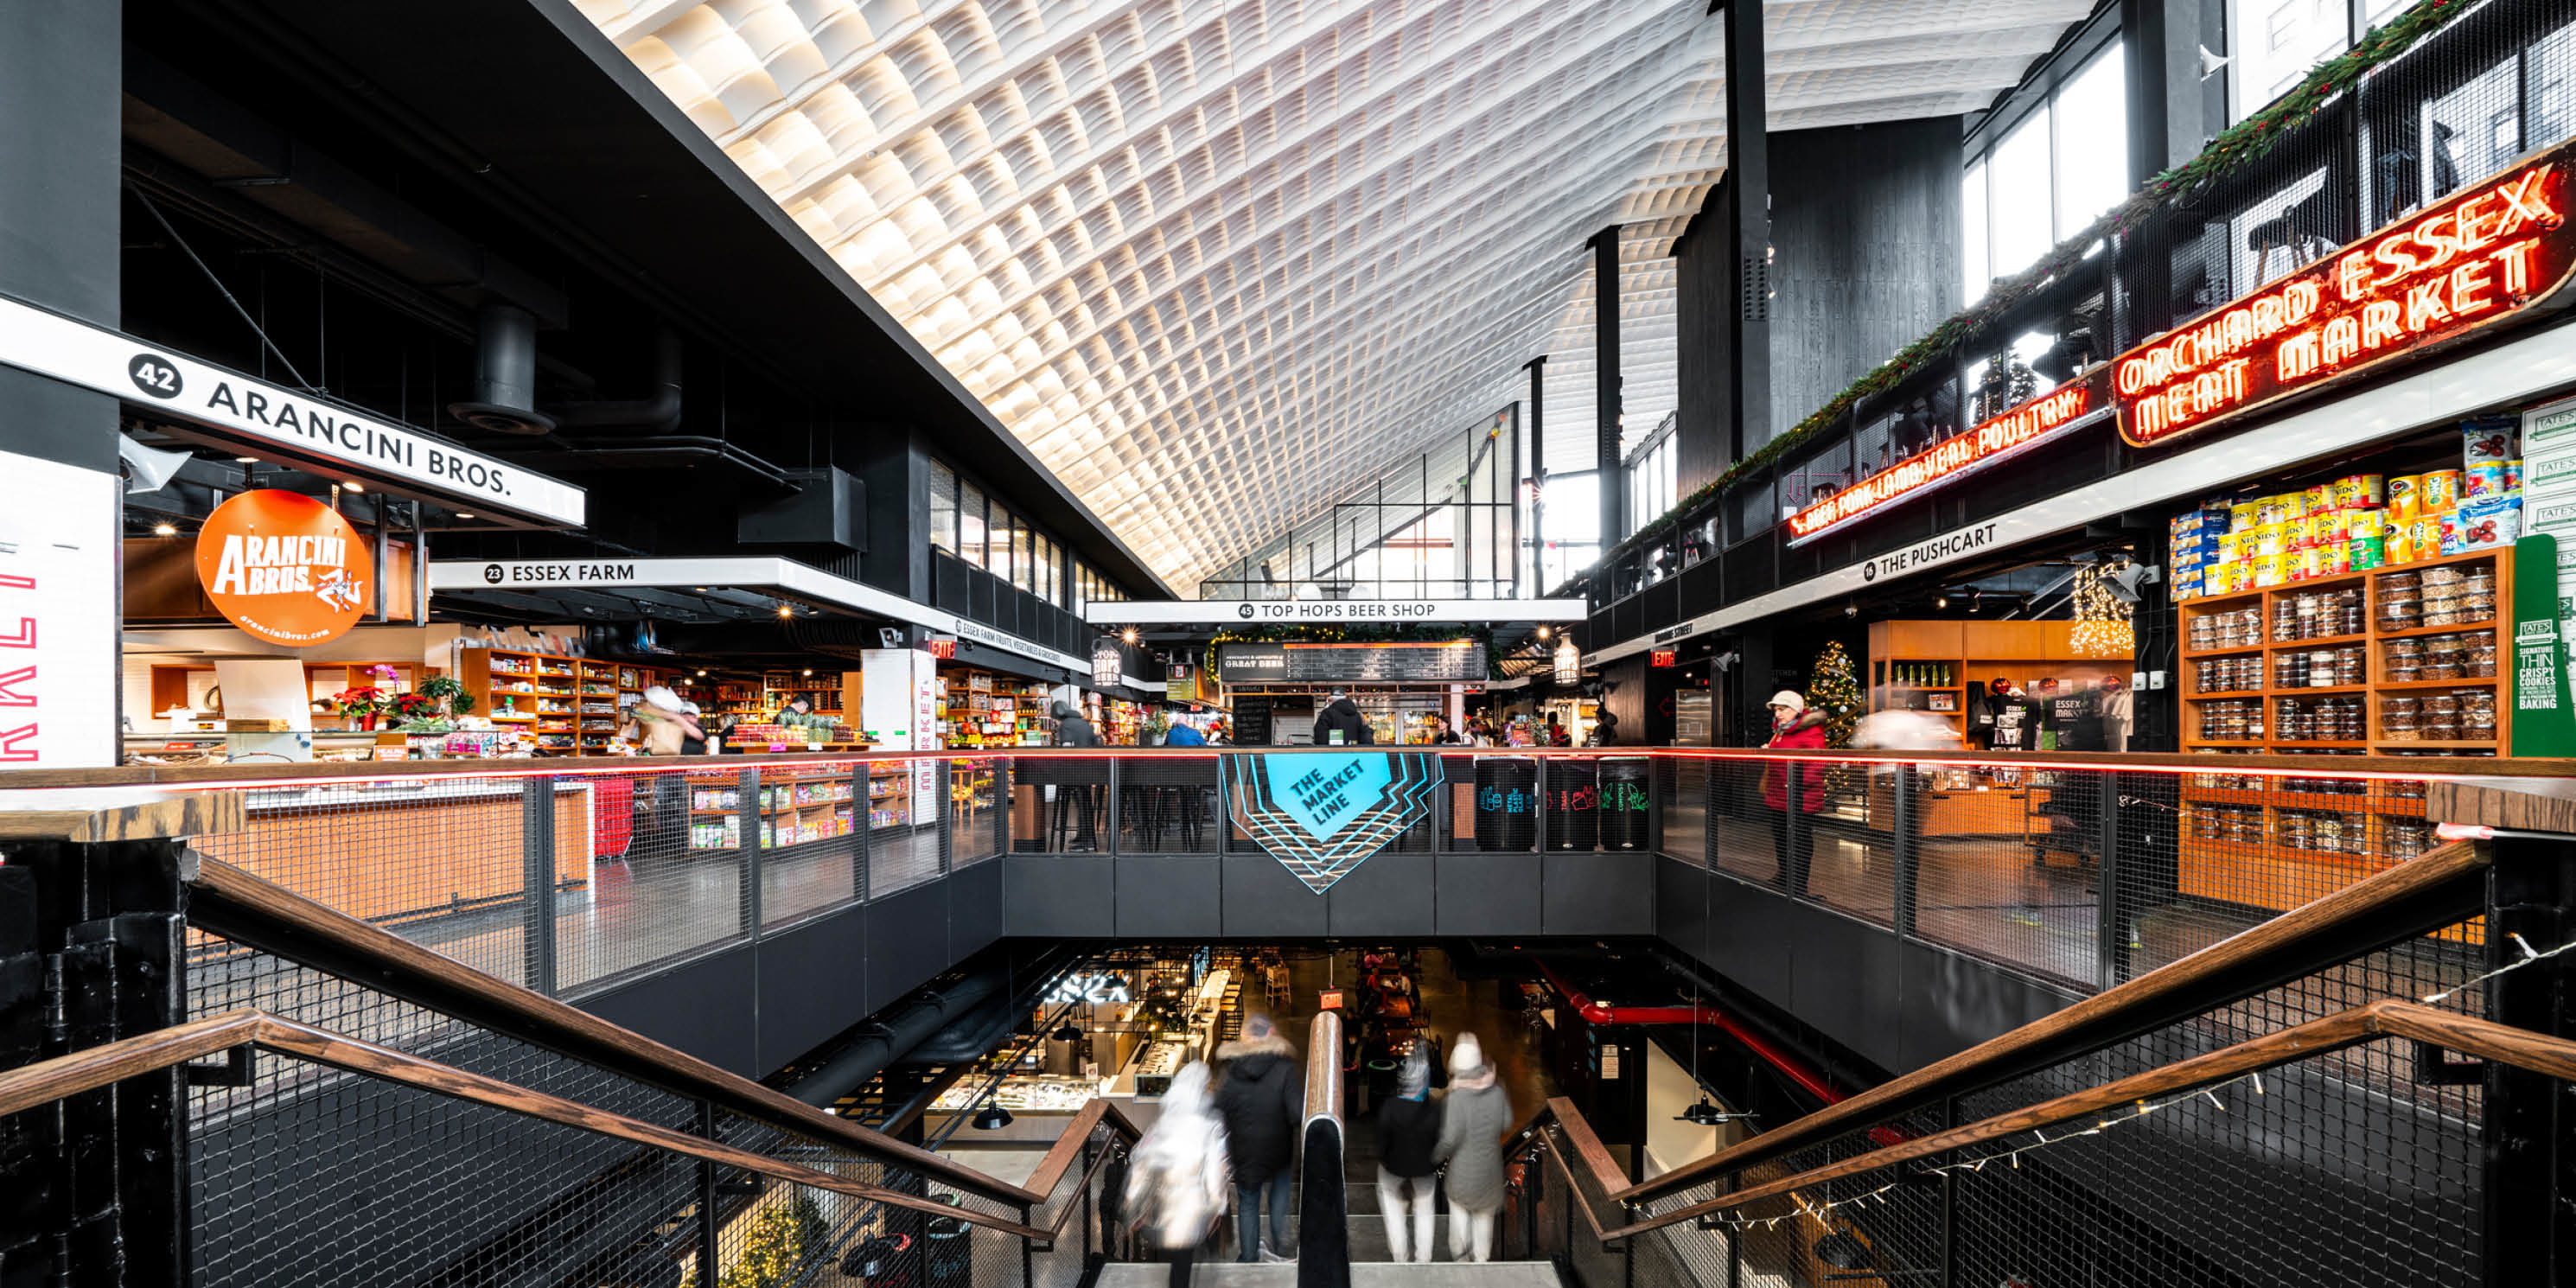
1543 632
1941 601
1128 635
165 530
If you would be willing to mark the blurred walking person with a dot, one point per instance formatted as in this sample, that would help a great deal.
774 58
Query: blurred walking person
1408 1134
1472 1122
1177 1174
1264 1106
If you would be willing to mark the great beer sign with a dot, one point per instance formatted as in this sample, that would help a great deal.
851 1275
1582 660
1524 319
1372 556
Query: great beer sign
2502 249
1952 459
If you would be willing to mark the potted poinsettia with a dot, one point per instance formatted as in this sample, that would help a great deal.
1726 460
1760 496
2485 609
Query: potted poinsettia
360 705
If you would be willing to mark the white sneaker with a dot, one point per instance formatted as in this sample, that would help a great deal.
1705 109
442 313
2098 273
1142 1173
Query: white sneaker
1273 1258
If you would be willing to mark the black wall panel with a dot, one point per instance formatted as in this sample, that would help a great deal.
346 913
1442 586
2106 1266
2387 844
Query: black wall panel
1597 894
1263 898
1160 896
698 1007
806 977
907 941
1489 894
1060 895
1390 896
975 908
1681 905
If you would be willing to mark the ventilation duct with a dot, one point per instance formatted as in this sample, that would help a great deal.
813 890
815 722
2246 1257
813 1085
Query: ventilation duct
505 374
659 413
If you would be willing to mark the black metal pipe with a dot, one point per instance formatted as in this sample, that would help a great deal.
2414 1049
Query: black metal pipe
660 412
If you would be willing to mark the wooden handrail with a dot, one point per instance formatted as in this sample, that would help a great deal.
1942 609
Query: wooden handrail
1059 1156
47 1081
2095 1021
2535 1052
1587 1146
391 960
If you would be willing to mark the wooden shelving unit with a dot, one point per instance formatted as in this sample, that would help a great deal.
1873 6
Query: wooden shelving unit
1966 650
538 692
796 806
983 709
2242 844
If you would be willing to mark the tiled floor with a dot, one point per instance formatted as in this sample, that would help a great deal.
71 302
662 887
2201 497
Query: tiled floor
646 909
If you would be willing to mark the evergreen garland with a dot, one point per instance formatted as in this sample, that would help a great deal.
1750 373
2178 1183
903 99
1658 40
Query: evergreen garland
2239 144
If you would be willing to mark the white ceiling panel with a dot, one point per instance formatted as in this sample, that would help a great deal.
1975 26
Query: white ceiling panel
1216 261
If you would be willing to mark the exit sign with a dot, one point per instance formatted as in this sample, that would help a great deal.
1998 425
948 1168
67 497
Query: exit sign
1660 657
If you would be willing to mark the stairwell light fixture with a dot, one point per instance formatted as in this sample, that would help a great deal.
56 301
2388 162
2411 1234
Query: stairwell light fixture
992 1117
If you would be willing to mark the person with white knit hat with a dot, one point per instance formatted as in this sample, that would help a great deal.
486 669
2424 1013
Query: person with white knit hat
1473 1122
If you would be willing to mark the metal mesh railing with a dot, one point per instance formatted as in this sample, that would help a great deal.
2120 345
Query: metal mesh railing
2007 863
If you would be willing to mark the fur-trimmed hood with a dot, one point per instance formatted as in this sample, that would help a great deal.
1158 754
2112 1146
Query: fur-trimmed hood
1272 1044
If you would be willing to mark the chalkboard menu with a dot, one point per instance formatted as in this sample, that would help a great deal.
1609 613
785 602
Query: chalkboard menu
1436 661
1252 722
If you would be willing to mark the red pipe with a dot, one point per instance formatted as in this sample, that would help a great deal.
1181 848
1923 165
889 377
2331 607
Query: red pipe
1798 1070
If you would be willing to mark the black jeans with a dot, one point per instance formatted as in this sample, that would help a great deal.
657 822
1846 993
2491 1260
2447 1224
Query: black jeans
1181 1259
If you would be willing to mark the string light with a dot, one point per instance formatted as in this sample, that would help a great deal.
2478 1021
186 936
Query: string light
2102 626
2040 1140
2529 956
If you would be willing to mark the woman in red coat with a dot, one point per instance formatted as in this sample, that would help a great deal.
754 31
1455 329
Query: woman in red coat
1797 726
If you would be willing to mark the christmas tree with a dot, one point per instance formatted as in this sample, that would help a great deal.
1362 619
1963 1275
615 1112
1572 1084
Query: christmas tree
1834 691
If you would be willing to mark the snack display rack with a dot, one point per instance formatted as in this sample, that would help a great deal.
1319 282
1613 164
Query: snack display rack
796 806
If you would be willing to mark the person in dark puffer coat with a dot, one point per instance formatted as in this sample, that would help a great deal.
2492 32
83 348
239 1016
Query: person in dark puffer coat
1263 1104
1408 1135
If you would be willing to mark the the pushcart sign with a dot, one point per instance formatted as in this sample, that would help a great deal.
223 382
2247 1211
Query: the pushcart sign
2045 417
294 426
2502 250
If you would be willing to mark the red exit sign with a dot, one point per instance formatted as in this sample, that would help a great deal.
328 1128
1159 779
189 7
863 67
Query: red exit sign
2467 264
1660 657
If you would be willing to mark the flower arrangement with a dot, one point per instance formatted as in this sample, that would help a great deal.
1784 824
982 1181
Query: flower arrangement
361 704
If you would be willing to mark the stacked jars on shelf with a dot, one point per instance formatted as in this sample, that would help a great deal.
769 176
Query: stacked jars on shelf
2324 831
2229 674
2439 715
2441 657
2232 720
2335 719
2319 668
2238 824
2317 615
2406 838
2237 628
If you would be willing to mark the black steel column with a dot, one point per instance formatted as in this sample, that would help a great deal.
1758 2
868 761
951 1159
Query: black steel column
710 1220
537 883
2528 1164
1748 181
2111 947
748 816
1537 480
1906 829
1606 402
863 829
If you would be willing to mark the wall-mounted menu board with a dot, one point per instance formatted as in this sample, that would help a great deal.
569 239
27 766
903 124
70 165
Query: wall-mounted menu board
1431 661
1251 722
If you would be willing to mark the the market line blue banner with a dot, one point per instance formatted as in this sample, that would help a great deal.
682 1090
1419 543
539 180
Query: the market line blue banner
1323 813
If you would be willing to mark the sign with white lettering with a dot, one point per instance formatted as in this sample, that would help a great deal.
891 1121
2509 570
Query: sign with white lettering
1393 662
1924 554
1189 612
1096 988
2051 415
2505 248
295 426
58 665
1323 813
284 567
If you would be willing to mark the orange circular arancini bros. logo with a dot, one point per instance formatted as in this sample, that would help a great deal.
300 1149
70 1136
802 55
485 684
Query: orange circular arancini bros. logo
284 567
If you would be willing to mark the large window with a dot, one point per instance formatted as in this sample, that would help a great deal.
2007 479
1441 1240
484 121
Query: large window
1570 515
1650 477
970 524
2049 174
943 508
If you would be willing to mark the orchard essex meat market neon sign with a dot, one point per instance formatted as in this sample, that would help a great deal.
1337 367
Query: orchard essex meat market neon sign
2503 249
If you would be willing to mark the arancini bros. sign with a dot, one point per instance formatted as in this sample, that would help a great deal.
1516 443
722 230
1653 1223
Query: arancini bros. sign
2501 249
284 567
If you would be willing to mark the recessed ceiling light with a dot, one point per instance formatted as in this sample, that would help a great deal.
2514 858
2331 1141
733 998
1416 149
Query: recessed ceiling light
351 485
463 515
787 610
164 530
245 460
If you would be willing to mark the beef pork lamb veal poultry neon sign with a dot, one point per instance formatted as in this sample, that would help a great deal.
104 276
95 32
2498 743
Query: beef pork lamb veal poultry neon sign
2501 249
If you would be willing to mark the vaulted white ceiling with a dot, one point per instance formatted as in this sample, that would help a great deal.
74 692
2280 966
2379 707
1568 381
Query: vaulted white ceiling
1217 261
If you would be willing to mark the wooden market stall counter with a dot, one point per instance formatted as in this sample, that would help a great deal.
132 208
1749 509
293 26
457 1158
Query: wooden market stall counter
395 839
383 851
